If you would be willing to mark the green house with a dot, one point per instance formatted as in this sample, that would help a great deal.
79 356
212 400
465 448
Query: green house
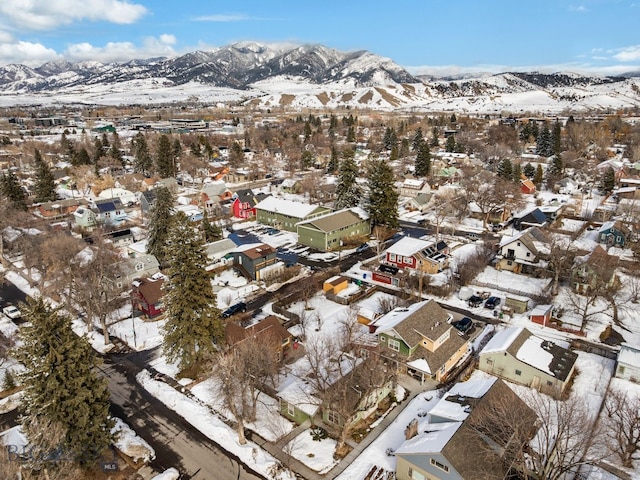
286 214
328 232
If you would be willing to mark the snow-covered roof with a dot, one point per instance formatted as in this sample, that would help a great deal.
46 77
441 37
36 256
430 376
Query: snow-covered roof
286 207
629 355
532 353
502 340
540 310
451 407
433 440
408 246
420 364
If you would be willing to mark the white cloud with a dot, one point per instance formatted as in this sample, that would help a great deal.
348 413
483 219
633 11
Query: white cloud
237 17
578 8
49 14
27 53
628 54
122 51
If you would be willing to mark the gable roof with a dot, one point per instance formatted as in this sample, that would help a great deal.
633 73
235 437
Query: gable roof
336 220
268 329
533 238
255 250
534 351
532 217
421 320
287 207
150 289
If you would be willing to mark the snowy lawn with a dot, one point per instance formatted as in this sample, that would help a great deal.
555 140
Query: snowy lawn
317 455
131 444
210 425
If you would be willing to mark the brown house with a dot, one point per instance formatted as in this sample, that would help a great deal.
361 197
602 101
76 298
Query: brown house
146 296
268 331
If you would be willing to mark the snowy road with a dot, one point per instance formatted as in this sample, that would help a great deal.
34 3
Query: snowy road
176 443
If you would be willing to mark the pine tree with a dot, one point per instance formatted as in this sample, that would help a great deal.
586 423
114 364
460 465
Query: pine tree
142 161
193 325
434 138
517 173
537 178
10 187
383 197
211 231
450 146
505 169
60 382
418 138
236 155
45 187
82 157
404 148
98 150
351 134
160 223
423 160
556 139
332 166
543 143
608 181
176 149
348 192
529 170
165 165
557 166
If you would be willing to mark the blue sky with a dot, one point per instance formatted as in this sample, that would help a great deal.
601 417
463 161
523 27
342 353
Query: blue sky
425 36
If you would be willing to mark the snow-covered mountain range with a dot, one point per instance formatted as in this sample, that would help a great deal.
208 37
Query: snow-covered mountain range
306 76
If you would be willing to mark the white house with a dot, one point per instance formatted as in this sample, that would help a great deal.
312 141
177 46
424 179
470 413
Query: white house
628 366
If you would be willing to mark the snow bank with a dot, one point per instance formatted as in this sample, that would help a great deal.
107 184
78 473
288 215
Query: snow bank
201 418
170 474
129 443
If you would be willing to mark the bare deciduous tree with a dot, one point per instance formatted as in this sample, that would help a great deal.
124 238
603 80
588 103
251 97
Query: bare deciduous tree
622 425
241 373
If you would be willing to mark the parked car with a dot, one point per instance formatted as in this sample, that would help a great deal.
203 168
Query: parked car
463 325
12 312
362 248
233 309
473 236
492 302
474 301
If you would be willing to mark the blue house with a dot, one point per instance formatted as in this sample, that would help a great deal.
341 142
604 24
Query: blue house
109 211
613 234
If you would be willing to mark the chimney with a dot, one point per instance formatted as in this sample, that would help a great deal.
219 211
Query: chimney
411 430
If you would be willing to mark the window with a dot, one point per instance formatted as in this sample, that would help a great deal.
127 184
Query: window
333 417
528 254
415 475
549 383
139 267
392 257
518 372
291 410
436 463
489 361
383 339
394 345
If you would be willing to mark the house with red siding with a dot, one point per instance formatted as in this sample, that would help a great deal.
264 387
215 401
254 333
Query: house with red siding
146 296
416 254
244 203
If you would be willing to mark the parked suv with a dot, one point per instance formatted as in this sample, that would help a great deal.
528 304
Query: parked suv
463 325
233 309
492 302
474 301
12 312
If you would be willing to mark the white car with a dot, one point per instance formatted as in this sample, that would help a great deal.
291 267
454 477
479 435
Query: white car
12 312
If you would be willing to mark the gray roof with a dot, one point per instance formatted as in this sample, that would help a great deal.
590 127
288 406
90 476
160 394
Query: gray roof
430 322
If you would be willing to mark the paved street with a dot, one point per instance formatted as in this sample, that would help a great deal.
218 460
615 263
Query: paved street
176 442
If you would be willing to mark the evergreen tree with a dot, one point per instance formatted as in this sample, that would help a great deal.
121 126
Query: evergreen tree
505 169
423 160
404 148
211 231
332 166
82 157
105 142
543 143
176 149
193 325
453 120
556 139
160 223
307 159
142 161
348 192
434 138
165 165
45 187
60 382
450 146
529 170
537 178
517 173
557 166
98 150
390 138
608 181
10 187
383 197
418 138
351 134
236 155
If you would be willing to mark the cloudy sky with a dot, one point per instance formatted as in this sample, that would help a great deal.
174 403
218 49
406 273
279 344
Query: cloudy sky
425 36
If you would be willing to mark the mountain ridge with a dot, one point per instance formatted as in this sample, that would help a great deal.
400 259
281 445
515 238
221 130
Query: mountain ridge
306 76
